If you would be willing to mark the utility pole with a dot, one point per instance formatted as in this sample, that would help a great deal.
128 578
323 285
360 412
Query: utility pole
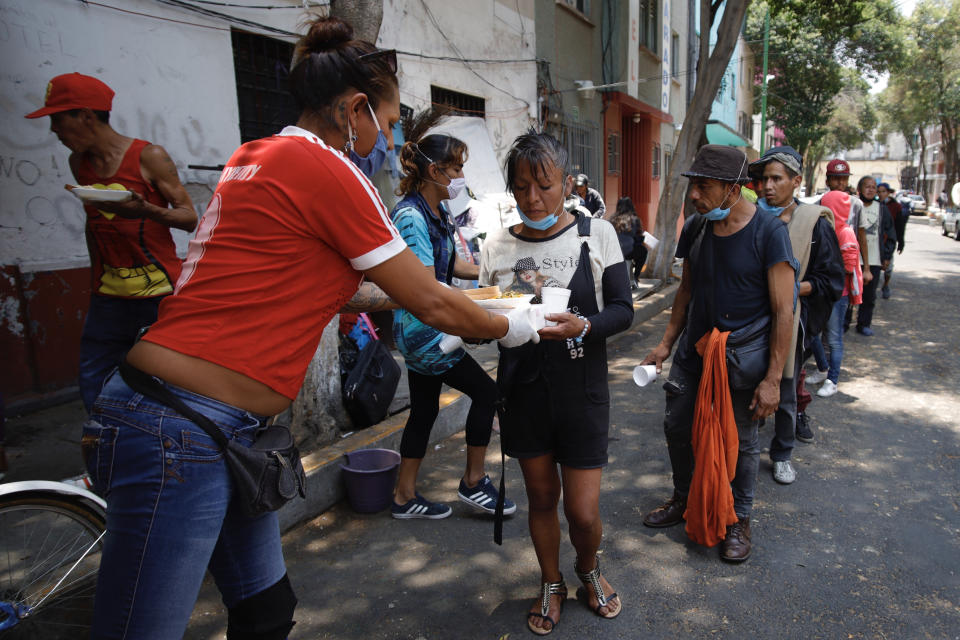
763 91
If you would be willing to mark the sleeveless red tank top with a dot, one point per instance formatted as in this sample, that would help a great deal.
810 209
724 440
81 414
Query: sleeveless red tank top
129 258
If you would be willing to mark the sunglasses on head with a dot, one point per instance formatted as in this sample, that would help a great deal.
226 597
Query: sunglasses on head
387 55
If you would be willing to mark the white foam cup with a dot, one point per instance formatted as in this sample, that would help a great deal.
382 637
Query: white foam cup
644 374
450 343
650 241
554 301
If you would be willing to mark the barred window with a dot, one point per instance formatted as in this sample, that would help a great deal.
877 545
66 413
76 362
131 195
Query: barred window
461 104
261 66
613 153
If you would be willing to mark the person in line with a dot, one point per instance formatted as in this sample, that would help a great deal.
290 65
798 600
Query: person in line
133 259
839 203
737 269
885 194
290 233
556 417
591 198
630 233
432 173
838 179
881 238
819 284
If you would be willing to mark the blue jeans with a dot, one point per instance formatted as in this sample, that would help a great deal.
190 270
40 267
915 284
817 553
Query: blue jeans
816 346
109 331
678 428
835 337
171 513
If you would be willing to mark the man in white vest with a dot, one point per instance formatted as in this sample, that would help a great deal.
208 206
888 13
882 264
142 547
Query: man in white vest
819 284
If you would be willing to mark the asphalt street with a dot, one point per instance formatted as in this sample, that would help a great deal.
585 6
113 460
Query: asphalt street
865 544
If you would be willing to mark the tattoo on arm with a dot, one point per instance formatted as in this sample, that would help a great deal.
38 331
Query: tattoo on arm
369 297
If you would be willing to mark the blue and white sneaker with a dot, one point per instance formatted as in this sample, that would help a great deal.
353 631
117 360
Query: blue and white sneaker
420 507
484 497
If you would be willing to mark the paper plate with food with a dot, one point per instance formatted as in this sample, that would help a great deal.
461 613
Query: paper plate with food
493 298
95 194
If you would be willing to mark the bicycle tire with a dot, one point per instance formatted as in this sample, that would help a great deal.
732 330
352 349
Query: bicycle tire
50 548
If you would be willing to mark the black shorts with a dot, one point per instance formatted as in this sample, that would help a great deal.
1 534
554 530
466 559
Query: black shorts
569 425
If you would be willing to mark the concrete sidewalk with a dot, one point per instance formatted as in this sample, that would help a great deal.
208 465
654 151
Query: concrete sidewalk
45 444
324 486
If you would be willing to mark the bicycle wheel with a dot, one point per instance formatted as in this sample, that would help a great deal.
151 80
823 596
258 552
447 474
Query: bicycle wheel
49 556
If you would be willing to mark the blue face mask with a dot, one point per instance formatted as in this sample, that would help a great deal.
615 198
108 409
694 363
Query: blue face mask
544 223
719 214
766 208
371 163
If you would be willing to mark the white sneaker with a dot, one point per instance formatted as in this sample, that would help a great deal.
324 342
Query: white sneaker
828 389
783 472
817 378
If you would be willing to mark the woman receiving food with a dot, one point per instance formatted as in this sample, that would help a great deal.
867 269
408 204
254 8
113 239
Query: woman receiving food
557 409
292 229
433 172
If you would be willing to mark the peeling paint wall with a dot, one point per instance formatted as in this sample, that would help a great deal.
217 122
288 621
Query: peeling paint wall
480 30
173 74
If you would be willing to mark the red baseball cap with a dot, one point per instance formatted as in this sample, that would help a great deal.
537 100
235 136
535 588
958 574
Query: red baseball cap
838 167
74 91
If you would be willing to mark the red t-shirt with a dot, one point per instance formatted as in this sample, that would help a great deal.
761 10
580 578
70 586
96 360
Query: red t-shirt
129 258
277 254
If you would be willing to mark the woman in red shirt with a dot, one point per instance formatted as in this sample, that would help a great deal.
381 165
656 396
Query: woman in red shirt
290 233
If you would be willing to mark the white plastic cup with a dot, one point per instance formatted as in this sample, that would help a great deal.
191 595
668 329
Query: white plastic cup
650 242
644 374
554 301
450 343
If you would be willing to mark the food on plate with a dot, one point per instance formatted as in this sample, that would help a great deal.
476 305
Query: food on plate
483 293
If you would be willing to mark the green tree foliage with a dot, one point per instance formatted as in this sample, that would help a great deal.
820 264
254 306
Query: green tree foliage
813 45
924 88
852 118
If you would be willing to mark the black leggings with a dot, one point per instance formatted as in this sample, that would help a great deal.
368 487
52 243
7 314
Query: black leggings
466 376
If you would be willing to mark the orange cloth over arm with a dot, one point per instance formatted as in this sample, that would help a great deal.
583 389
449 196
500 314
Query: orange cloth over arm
716 446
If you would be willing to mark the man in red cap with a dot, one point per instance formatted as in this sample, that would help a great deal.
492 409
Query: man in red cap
132 254
838 179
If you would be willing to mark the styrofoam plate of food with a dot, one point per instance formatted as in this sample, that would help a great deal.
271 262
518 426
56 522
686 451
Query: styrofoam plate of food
100 195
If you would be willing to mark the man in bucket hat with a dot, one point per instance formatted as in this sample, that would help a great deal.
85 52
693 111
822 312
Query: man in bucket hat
737 268
820 276
132 255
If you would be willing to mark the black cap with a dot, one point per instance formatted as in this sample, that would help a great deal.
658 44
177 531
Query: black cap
786 155
719 162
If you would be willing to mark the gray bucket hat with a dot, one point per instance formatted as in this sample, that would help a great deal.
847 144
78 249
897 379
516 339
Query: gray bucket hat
719 162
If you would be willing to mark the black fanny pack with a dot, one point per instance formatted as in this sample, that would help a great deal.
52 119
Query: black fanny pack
266 475
748 354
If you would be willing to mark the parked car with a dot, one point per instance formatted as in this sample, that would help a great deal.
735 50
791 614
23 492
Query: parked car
918 206
951 223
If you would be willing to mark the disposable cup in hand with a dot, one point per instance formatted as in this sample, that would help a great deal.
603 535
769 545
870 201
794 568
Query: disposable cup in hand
554 301
650 241
644 374
450 343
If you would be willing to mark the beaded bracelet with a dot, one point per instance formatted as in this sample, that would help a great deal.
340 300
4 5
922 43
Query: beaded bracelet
586 328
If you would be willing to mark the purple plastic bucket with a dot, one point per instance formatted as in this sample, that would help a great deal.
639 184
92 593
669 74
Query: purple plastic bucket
369 475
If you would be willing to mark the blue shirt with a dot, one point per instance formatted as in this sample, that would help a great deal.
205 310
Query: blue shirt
740 292
420 343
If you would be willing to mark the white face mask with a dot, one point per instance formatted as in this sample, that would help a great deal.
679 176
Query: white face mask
456 187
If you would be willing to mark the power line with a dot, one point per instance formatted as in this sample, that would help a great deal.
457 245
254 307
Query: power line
314 3
210 13
462 58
